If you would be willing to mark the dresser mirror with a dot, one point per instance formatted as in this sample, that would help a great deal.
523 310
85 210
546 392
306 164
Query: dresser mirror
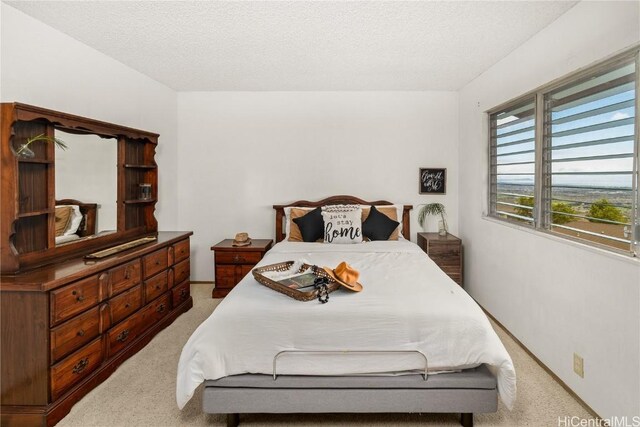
107 171
86 176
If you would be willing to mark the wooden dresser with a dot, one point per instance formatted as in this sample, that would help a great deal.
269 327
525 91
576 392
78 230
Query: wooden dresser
67 326
232 263
445 251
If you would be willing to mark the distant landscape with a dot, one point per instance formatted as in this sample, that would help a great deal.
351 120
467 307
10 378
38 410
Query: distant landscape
580 199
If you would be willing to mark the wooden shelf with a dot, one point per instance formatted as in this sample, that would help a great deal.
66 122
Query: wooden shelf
35 213
139 201
40 161
130 166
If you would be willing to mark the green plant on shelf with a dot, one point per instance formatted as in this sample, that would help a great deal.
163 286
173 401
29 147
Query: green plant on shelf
433 209
26 152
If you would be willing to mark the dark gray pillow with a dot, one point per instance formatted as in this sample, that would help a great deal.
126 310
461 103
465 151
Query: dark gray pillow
378 226
311 225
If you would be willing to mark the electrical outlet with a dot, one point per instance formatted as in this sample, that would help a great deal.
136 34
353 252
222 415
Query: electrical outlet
578 365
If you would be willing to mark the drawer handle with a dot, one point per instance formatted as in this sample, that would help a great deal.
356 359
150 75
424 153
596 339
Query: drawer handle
80 298
122 336
158 287
81 365
183 293
127 305
238 258
157 262
80 333
160 308
127 273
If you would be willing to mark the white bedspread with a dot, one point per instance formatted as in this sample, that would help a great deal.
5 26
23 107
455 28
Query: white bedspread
407 303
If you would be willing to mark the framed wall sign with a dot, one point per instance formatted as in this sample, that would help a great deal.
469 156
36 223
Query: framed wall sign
433 181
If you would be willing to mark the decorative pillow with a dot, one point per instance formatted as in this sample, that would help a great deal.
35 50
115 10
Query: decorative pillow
289 224
389 211
378 226
293 231
311 225
342 224
63 217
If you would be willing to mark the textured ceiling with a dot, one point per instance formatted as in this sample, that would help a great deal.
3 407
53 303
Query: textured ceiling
302 45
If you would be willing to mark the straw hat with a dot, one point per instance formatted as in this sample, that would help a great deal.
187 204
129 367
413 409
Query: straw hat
241 239
345 275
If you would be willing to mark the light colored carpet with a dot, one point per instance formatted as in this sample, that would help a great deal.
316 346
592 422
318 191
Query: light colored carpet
142 391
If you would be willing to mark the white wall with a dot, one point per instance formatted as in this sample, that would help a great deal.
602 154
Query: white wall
242 152
556 297
44 67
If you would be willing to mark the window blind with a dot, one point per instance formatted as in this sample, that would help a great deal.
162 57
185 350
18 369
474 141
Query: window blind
512 158
588 157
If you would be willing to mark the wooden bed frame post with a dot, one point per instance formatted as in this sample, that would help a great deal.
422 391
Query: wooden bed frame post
466 419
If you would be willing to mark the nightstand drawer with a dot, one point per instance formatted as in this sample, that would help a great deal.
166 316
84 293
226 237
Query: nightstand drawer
238 257
445 251
225 276
444 260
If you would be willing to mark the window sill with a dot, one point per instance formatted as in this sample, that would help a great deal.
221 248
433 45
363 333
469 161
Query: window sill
548 235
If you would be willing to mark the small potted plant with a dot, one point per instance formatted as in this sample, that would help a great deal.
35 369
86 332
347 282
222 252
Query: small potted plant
25 152
433 209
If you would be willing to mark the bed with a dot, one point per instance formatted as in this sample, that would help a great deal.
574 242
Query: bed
82 222
411 341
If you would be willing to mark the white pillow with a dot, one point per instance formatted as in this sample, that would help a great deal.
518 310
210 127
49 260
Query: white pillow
342 223
74 223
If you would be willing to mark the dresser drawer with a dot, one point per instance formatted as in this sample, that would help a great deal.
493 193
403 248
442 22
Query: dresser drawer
180 293
238 257
124 333
225 276
74 334
124 277
181 251
155 311
72 299
155 286
155 262
125 304
75 367
181 271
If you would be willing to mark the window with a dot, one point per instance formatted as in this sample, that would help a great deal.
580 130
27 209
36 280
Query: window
565 158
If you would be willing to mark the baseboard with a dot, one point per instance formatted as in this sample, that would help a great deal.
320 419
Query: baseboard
545 367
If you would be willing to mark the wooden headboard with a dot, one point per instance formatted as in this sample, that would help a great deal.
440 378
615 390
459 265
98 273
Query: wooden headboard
338 200
88 210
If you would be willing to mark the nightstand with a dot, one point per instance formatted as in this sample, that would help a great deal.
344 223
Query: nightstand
445 251
232 263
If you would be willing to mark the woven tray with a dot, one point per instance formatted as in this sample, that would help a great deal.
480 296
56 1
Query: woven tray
293 293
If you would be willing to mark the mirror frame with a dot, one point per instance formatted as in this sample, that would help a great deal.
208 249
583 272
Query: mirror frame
136 161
